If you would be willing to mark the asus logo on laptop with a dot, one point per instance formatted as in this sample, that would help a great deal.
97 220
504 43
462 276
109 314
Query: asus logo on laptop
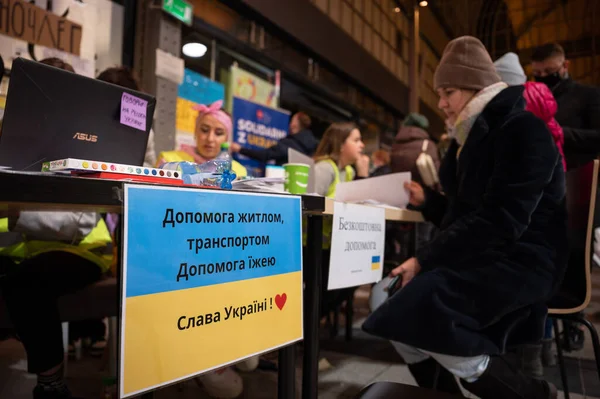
85 137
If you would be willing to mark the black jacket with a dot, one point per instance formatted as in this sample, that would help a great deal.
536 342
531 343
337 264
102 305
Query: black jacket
501 249
304 141
381 171
579 116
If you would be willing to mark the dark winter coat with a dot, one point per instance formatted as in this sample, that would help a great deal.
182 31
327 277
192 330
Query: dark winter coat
304 141
579 116
407 148
502 245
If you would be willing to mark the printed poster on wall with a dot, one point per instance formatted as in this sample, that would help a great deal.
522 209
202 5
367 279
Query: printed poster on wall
195 89
222 282
257 127
357 242
243 84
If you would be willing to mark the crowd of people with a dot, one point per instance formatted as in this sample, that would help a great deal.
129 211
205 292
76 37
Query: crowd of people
492 253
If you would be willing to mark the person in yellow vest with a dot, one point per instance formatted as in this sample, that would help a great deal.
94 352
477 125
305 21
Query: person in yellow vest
43 256
213 127
340 148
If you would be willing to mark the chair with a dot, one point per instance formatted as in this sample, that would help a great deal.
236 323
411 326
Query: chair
97 301
575 292
386 389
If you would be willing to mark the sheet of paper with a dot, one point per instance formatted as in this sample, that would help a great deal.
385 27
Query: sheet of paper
387 189
298 157
133 111
169 66
357 244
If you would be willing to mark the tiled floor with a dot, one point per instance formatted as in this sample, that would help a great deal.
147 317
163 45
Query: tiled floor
353 365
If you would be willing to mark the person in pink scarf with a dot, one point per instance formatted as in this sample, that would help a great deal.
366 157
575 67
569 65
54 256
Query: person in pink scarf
542 104
213 127
538 97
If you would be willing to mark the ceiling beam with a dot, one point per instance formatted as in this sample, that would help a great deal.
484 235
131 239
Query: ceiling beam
528 24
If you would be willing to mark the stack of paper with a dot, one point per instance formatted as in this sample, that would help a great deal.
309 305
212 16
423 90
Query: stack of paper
262 184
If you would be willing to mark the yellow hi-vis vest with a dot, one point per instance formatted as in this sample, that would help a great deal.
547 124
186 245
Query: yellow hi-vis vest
328 219
94 247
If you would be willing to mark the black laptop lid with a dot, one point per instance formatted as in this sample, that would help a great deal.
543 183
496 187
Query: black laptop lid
53 114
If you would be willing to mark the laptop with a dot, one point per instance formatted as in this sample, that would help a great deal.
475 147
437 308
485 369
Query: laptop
54 114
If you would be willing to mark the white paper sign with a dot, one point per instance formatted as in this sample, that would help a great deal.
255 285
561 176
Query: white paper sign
169 66
357 242
387 189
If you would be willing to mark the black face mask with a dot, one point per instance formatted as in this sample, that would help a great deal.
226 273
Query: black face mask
550 80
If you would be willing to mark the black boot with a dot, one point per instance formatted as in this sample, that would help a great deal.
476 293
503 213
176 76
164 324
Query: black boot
430 374
548 357
529 359
501 381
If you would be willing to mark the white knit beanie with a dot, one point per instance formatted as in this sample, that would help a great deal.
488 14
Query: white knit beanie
510 70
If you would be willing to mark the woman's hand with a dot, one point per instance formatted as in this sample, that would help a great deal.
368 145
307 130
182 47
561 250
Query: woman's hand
416 193
408 270
235 147
362 166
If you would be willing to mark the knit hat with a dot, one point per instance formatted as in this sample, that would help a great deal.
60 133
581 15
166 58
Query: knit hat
510 70
465 64
415 119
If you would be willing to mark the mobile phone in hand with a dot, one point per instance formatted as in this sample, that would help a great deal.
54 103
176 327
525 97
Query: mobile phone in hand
394 285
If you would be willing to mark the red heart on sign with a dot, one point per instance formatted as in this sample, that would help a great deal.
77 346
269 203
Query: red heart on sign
280 300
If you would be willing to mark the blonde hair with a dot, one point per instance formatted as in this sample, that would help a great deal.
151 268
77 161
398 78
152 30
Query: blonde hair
332 141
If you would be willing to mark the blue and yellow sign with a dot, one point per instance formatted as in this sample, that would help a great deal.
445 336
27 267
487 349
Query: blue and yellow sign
209 278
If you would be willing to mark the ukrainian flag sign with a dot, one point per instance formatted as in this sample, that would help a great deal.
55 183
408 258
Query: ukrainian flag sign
209 278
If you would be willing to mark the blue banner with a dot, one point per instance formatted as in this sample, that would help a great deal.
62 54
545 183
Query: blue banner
211 236
200 89
257 127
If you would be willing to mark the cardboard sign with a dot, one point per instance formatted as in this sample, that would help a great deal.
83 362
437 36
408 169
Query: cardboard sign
133 111
209 278
357 244
25 21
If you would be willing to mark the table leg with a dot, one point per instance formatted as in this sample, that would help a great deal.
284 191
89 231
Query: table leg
286 379
312 304
113 336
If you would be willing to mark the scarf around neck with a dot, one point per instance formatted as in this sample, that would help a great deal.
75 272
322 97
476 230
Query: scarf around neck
469 114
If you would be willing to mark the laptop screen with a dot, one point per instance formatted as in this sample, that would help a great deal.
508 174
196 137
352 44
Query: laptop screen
54 114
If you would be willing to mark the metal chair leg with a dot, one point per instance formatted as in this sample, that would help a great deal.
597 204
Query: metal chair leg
335 328
595 340
561 359
349 314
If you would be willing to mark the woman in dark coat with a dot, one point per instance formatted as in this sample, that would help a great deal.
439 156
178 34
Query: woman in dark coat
482 282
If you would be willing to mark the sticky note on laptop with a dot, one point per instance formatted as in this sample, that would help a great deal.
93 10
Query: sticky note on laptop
133 111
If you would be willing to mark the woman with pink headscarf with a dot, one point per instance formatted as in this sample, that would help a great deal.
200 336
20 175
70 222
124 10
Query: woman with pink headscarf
213 127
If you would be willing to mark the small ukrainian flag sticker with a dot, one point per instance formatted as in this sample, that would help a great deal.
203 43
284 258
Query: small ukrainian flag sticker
375 262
